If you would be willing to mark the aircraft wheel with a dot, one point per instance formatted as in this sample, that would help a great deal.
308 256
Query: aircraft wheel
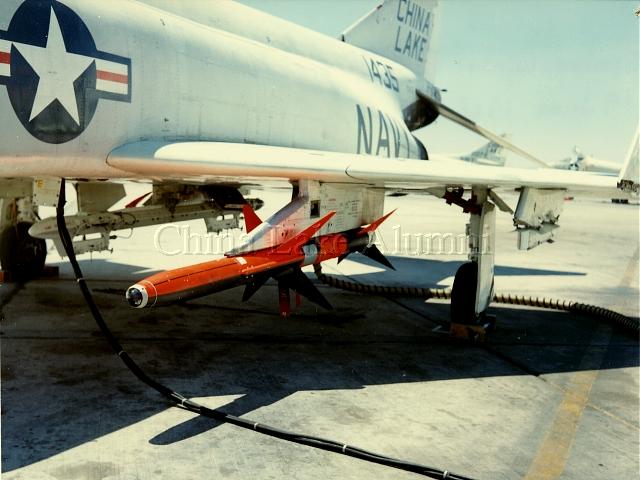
463 294
20 253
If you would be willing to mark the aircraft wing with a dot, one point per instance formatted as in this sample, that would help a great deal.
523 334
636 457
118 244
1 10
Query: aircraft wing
216 162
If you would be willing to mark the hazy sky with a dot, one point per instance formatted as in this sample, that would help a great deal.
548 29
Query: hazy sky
553 74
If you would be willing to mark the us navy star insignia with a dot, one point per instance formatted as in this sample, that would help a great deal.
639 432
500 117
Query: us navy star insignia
54 73
57 70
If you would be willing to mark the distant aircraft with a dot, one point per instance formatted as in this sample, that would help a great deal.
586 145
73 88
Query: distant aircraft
205 99
489 154
587 163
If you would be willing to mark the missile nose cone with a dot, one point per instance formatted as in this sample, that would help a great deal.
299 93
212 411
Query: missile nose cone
137 296
134 297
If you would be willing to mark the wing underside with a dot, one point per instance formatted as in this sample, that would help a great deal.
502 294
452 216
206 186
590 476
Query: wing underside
216 162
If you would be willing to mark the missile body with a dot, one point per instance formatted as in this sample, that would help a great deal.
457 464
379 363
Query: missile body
209 277
197 280
282 262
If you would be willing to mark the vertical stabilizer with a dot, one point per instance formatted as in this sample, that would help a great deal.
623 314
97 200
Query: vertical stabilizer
489 154
400 30
630 175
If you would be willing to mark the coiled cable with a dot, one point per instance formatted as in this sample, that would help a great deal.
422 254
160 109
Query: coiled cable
629 324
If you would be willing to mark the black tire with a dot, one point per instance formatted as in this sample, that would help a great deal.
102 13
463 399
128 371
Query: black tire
463 294
20 253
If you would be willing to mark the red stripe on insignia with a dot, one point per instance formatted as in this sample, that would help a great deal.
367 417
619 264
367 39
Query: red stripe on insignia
5 57
112 77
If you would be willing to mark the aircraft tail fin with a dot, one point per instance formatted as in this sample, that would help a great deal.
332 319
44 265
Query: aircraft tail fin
630 174
400 30
488 154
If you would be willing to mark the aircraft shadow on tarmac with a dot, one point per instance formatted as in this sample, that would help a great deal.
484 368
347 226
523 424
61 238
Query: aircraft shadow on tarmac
73 389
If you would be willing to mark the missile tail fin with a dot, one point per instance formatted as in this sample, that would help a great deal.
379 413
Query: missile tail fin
305 235
297 281
376 255
251 219
374 225
251 288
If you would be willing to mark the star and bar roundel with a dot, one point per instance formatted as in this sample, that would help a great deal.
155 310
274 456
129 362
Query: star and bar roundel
54 73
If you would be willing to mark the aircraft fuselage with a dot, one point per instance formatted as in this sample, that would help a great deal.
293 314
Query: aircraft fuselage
82 78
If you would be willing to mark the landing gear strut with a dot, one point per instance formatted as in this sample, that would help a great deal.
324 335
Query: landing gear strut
472 290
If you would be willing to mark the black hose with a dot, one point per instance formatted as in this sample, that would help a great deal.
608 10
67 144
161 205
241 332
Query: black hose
219 415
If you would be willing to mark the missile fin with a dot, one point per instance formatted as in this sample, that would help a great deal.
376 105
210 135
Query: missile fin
304 236
300 283
252 287
376 255
136 201
258 281
251 219
374 225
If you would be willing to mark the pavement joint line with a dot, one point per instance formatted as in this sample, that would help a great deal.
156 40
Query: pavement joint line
631 270
552 454
593 406
505 358
613 416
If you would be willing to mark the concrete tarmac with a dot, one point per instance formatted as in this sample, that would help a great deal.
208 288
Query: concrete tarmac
550 395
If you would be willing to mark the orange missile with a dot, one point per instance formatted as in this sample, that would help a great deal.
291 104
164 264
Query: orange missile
217 275
200 279
282 262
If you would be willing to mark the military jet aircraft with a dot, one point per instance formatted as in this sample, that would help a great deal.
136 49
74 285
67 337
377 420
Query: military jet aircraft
578 161
205 99
588 163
